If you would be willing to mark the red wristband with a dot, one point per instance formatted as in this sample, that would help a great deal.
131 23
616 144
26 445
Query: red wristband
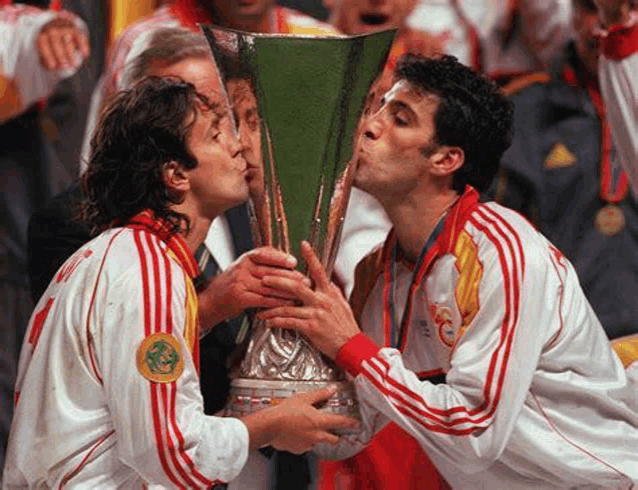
354 352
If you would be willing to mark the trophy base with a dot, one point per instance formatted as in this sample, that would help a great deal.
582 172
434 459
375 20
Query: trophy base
250 395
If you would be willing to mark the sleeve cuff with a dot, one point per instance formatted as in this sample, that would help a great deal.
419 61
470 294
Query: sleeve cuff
354 352
621 42
33 80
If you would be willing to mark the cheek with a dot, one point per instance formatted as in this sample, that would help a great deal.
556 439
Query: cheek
399 146
256 143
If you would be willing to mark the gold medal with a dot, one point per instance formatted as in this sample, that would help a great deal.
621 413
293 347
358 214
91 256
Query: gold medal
610 220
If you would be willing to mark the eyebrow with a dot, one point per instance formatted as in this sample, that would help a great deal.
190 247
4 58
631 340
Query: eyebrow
399 105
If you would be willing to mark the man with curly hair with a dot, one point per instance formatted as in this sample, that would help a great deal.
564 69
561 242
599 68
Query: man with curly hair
467 328
108 390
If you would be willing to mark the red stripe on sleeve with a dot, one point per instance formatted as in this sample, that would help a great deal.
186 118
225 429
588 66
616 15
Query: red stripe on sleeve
445 417
354 352
145 282
415 413
154 387
503 221
38 322
205 481
155 397
173 387
157 300
159 265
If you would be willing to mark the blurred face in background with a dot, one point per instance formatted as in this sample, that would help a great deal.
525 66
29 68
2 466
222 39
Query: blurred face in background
363 16
585 24
242 14
246 114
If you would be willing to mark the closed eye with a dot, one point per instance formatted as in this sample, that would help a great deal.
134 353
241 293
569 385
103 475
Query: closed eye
252 119
402 115
400 119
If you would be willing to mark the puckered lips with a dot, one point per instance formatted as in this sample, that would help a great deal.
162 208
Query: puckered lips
250 174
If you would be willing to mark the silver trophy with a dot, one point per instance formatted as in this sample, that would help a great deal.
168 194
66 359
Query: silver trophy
297 102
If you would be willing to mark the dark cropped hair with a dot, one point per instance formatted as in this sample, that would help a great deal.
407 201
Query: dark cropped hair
472 114
140 130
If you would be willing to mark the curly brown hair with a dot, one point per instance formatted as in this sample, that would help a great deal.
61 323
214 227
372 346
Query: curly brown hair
140 130
472 114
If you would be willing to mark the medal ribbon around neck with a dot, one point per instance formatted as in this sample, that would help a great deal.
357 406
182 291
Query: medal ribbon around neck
397 334
614 183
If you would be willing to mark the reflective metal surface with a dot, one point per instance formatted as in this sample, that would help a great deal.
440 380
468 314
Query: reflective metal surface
297 102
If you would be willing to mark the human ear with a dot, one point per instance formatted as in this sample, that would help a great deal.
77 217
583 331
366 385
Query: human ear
175 177
446 160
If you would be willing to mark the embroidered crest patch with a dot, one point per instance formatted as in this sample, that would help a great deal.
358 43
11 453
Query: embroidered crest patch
159 358
442 317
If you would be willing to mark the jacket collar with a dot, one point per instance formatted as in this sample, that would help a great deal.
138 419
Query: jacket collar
148 221
454 223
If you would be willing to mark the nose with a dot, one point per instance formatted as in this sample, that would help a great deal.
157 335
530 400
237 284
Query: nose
372 126
243 135
235 145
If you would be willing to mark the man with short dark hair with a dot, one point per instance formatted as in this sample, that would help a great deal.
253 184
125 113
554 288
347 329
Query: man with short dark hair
476 339
108 390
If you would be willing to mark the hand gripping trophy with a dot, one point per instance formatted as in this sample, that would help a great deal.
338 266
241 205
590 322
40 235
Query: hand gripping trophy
297 100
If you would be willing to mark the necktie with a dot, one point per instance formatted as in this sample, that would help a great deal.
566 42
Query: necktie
206 262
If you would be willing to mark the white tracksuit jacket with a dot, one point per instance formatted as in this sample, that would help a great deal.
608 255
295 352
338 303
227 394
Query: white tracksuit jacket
85 416
534 396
